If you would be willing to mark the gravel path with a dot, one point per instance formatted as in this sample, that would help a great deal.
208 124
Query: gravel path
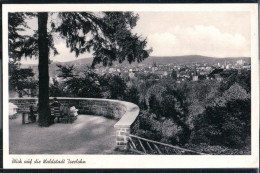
87 135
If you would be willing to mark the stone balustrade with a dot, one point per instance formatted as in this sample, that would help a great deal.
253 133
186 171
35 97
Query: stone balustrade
126 112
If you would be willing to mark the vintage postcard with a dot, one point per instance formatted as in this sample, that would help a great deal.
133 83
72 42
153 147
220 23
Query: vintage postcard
130 86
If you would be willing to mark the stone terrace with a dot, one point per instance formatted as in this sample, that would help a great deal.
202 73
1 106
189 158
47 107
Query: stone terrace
124 116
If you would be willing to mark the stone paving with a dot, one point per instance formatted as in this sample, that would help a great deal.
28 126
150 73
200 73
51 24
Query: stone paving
86 135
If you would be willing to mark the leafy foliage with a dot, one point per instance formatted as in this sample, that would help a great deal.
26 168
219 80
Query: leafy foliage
243 78
174 75
66 71
108 35
117 87
131 95
192 113
236 92
21 80
15 40
227 124
218 150
57 89
86 83
165 102
83 84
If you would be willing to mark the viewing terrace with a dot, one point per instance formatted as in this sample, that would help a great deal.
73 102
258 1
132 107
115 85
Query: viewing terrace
100 134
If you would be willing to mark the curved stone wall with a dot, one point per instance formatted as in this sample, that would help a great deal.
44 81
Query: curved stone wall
126 112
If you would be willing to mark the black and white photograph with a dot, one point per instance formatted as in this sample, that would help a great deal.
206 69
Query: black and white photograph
130 81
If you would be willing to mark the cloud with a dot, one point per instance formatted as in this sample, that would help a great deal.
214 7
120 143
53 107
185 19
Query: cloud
198 39
162 42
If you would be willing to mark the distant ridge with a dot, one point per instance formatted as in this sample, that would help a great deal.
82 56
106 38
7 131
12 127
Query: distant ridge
186 59
78 61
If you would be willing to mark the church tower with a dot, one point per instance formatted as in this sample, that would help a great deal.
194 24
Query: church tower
154 67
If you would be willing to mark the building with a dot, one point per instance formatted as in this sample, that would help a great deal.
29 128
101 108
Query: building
111 70
154 68
131 74
161 74
240 62
218 77
195 78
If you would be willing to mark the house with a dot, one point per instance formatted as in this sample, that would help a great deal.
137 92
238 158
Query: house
240 62
154 68
161 74
218 77
131 74
111 70
195 78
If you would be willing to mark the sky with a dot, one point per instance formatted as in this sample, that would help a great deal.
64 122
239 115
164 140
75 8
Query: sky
216 34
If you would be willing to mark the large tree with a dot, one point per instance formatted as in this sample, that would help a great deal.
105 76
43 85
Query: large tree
108 35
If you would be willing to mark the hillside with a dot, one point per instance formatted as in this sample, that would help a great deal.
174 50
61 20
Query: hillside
168 59
149 61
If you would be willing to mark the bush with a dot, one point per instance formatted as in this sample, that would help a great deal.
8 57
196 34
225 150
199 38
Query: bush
131 95
218 150
226 126
171 132
152 135
145 122
168 131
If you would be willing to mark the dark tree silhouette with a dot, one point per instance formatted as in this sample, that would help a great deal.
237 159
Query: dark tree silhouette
43 66
21 80
16 24
174 75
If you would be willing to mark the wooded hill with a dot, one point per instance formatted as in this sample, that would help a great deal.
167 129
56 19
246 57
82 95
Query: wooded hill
188 59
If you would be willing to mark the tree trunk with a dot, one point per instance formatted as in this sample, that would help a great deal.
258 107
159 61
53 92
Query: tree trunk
43 67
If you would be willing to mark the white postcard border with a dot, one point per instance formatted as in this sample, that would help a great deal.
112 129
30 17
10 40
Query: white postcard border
140 161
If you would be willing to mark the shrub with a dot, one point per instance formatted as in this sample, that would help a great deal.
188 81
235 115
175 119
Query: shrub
226 126
152 135
171 132
218 150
